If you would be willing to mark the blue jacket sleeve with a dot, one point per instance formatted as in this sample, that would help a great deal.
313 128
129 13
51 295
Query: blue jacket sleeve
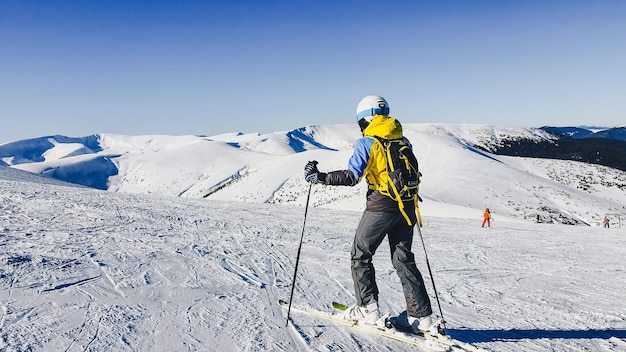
360 156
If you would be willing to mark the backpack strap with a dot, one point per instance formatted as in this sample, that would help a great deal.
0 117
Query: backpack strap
417 212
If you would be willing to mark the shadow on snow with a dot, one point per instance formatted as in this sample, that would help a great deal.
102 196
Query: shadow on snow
474 336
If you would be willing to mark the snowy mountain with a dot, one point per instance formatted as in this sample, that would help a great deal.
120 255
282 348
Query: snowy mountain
613 133
617 133
461 175
588 144
88 270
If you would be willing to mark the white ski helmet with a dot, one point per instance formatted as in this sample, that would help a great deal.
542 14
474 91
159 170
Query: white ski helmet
368 107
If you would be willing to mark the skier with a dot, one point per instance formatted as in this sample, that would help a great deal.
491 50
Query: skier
381 218
487 218
606 222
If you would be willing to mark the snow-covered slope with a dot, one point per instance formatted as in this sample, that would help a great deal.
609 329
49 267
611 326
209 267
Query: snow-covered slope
89 270
459 179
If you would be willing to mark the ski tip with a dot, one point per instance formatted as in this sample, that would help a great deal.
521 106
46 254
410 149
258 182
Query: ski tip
340 306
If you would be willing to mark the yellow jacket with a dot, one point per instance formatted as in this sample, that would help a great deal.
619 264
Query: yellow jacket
376 170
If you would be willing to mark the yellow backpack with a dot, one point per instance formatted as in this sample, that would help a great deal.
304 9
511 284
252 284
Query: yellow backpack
403 176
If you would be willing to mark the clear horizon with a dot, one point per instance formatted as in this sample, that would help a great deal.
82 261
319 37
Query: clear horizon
194 67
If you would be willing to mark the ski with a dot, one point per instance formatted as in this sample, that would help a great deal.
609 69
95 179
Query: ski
436 343
442 333
441 337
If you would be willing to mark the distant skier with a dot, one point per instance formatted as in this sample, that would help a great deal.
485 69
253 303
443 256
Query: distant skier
382 217
487 218
606 222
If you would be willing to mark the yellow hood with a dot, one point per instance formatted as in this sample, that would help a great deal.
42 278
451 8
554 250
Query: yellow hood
384 127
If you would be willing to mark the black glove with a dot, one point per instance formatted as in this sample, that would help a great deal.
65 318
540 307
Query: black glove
312 174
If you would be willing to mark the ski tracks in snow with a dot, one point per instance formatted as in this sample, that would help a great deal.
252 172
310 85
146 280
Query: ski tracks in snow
90 270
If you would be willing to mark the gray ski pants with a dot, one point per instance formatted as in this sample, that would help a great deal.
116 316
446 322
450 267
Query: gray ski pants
372 229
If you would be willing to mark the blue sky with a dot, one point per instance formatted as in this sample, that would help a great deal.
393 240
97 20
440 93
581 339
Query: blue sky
209 67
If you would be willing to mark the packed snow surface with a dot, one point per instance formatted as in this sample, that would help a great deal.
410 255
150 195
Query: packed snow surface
89 270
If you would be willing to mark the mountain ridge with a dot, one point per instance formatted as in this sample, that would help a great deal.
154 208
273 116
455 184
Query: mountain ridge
459 162
618 133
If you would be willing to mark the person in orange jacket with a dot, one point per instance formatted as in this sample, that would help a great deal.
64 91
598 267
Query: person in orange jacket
487 218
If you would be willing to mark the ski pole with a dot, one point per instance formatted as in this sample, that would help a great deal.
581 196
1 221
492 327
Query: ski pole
295 271
432 279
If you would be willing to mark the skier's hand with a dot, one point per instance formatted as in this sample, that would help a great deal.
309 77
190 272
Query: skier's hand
312 174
